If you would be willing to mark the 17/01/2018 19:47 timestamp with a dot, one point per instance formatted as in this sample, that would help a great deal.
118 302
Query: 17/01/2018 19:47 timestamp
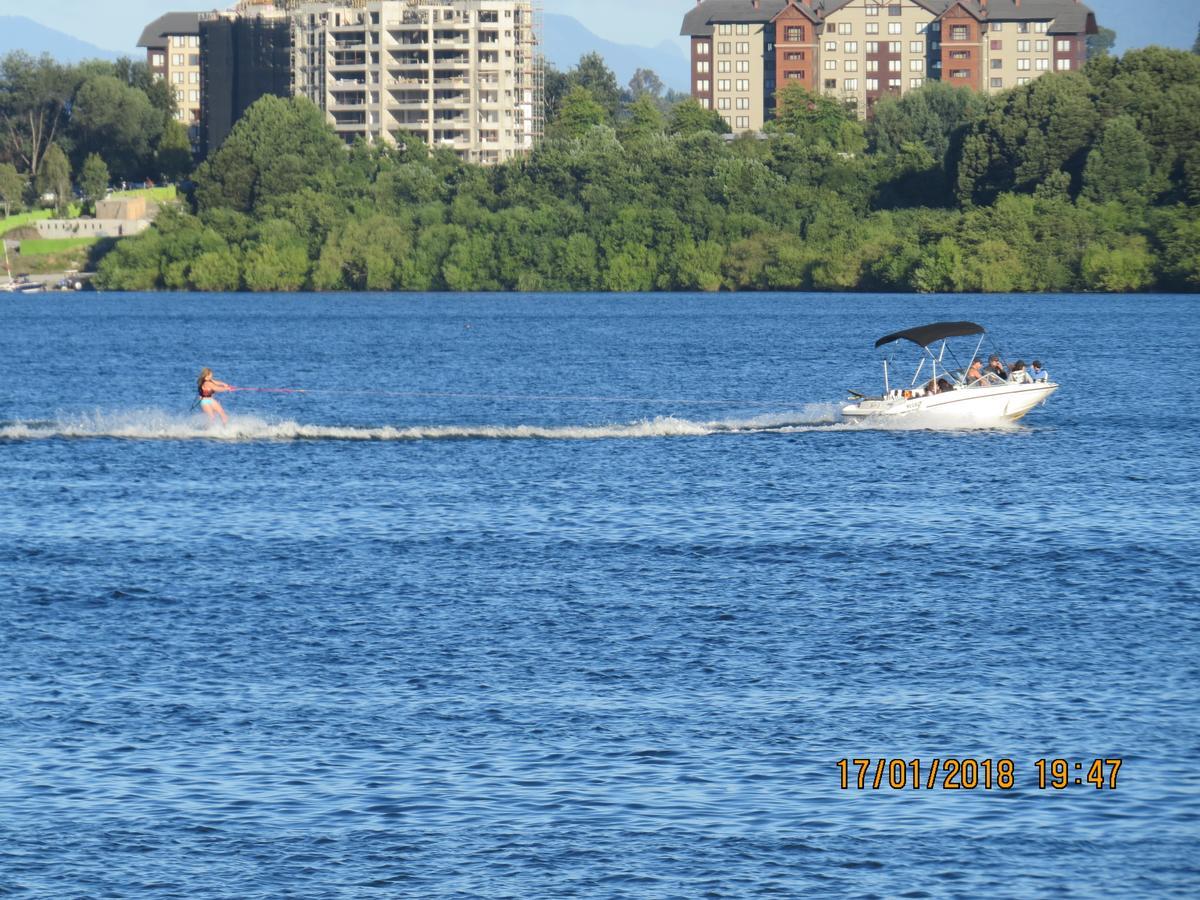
954 774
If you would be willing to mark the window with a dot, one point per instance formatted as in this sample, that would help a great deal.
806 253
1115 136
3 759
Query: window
872 47
916 47
997 26
1023 28
177 77
959 33
1022 46
724 48
723 66
893 65
997 45
894 84
1063 65
1042 65
1063 46
831 46
893 47
872 65
743 84
743 102
743 65
916 65
872 9
702 85
960 73
177 40
702 67
1042 46
915 82
831 65
895 28
193 96
177 59
1024 81
800 74
851 46
831 84
743 48
1041 27
872 84
1023 65
743 30
796 56
743 122
794 34
193 77
158 60
997 64
997 82
894 9
872 28
723 103
845 28
724 29
852 65
702 48
723 84
850 84
922 27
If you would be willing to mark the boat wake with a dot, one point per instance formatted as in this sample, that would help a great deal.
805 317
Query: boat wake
155 425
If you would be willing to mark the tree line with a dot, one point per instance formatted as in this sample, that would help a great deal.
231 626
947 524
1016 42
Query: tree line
1078 181
83 125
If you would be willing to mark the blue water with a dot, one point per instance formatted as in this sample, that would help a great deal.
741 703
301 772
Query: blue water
586 596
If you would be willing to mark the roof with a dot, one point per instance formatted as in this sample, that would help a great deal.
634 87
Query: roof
155 34
700 19
931 334
1068 16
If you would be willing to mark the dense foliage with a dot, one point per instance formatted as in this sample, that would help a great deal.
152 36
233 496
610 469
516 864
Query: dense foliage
1077 181
117 112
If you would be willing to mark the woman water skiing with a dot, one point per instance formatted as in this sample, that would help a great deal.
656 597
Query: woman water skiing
208 387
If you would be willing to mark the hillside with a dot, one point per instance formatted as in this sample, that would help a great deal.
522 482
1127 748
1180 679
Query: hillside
19 33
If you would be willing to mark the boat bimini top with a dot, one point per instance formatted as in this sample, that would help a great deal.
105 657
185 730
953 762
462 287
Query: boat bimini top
926 335
931 334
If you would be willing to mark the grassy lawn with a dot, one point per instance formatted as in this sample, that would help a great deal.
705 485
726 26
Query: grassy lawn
157 194
48 246
20 220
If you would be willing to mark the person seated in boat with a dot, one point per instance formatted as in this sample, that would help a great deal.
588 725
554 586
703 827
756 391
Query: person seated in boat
1019 375
975 374
1037 373
996 369
938 386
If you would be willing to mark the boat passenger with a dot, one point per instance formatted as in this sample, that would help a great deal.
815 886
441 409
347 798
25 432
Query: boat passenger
1018 375
997 369
208 387
1037 373
975 373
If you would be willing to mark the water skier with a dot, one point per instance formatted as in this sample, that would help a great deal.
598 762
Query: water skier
208 387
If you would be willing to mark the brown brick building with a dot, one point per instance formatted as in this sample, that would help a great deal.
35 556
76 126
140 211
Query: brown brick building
743 51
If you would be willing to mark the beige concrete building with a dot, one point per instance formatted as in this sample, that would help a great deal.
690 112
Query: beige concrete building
462 74
739 73
172 44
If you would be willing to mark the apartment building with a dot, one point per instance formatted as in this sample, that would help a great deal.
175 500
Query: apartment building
462 74
862 50
172 44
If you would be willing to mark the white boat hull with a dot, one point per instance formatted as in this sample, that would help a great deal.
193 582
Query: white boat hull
979 406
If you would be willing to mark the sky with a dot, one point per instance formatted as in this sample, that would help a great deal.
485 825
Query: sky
116 24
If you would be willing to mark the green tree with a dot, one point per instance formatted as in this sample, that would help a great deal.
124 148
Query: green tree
278 147
216 271
690 117
174 154
644 120
598 79
1118 166
54 177
817 118
579 114
12 187
1122 267
1100 43
646 81
118 123
34 97
93 181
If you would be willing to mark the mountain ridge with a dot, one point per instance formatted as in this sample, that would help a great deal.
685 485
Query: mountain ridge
21 33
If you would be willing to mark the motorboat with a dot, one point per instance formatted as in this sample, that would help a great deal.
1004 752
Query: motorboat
21 284
944 391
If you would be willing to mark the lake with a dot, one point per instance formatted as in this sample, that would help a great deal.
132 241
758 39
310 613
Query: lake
549 596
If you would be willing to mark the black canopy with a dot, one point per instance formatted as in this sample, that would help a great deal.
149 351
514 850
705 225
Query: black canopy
931 334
